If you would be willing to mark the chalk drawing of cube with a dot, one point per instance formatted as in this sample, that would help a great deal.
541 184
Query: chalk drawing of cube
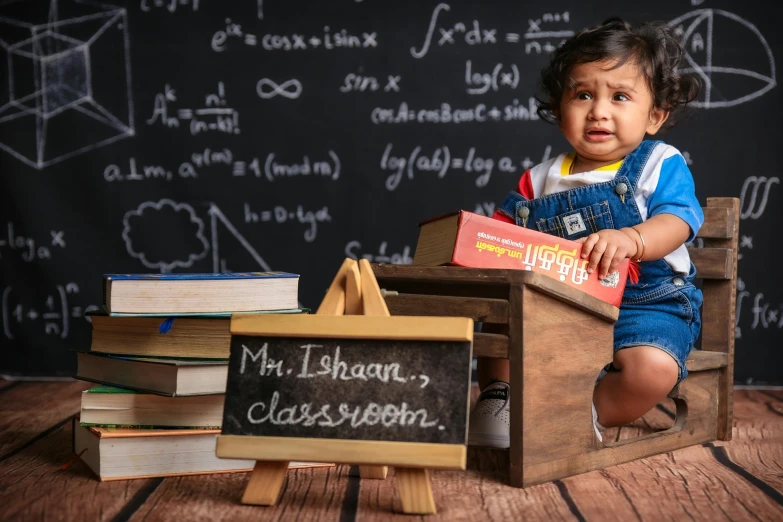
65 79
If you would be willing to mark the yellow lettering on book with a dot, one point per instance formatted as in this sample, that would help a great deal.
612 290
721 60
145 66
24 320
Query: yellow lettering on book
579 274
530 257
543 257
547 255
565 262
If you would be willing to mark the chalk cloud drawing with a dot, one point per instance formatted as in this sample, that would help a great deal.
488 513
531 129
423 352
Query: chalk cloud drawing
698 33
158 232
65 79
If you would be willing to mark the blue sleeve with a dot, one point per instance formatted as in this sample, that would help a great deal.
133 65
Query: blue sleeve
676 194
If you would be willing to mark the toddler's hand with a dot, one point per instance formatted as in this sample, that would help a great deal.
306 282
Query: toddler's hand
606 249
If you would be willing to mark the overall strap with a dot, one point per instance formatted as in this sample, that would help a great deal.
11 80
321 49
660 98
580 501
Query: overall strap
509 205
634 163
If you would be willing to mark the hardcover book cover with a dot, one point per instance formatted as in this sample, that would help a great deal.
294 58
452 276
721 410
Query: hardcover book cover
208 293
471 240
200 276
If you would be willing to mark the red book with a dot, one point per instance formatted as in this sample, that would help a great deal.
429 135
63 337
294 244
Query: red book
466 239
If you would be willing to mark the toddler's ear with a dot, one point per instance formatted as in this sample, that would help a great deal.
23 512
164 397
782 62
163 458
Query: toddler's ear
657 118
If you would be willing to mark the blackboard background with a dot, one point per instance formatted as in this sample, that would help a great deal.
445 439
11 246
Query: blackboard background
445 365
77 209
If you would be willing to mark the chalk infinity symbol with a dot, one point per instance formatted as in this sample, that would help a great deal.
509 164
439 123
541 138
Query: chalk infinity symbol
275 89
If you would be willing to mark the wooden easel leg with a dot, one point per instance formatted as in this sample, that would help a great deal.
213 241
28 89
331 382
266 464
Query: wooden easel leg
372 303
413 485
373 472
266 483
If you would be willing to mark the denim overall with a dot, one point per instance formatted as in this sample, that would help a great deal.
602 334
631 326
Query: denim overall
662 309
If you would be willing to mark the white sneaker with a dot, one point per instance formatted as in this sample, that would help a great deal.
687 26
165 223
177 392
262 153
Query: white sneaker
490 420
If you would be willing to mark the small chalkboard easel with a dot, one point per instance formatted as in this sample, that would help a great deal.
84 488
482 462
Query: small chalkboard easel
354 292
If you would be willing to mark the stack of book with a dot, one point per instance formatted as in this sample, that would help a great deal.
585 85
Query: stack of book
159 354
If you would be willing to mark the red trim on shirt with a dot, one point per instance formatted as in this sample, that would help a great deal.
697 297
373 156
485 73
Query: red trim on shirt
502 217
526 185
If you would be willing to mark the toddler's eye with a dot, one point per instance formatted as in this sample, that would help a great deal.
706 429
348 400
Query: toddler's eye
583 96
621 97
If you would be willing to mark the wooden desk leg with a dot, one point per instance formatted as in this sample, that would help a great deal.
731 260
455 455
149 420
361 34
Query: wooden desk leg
373 472
413 485
266 483
516 381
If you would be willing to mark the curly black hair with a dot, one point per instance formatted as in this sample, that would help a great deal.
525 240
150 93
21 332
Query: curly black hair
651 46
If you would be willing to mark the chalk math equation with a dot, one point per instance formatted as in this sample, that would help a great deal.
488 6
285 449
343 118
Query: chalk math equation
53 315
269 168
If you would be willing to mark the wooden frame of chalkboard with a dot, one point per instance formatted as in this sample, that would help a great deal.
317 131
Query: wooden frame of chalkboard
402 384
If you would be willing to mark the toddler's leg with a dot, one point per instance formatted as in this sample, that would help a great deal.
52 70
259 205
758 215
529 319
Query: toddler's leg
491 369
645 376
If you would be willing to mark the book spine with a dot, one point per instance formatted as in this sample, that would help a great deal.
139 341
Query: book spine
106 294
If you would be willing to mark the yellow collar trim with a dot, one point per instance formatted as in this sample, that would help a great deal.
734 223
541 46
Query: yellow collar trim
565 167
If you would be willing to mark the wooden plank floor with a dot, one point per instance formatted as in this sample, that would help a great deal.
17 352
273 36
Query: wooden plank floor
739 480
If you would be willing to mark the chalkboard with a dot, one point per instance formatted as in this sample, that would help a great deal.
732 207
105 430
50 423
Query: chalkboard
361 389
204 136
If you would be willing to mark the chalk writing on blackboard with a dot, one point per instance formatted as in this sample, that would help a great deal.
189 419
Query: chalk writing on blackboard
53 315
754 195
765 314
135 172
147 231
146 228
218 220
214 116
485 208
328 39
271 169
353 250
445 113
169 5
280 214
479 83
290 89
317 169
696 30
357 82
745 242
368 389
473 33
27 247
209 157
443 160
66 68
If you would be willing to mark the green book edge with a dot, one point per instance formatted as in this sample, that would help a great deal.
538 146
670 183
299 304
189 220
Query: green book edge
108 389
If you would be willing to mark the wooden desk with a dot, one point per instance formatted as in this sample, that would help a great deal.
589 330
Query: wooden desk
739 480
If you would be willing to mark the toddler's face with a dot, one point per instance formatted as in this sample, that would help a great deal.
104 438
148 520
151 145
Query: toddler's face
605 113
